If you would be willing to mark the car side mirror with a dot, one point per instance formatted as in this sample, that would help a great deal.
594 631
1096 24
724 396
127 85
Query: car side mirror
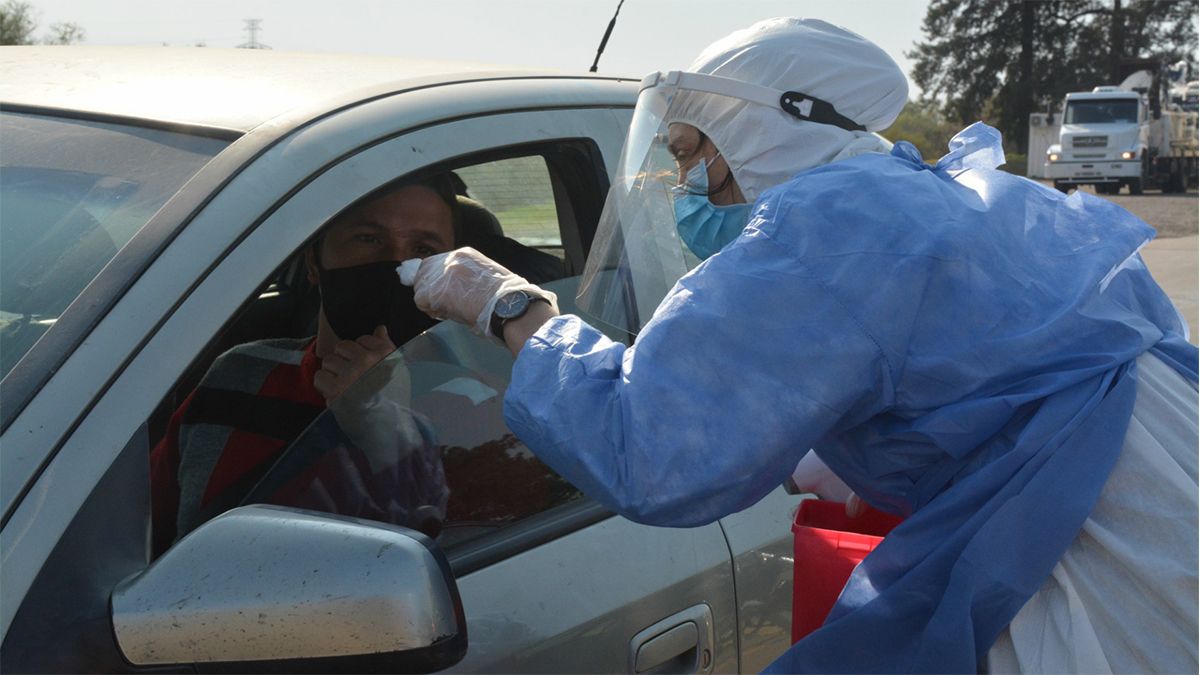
264 588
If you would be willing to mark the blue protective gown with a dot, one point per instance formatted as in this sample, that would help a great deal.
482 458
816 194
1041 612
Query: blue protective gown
955 342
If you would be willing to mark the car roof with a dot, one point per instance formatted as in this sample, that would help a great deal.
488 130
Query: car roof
234 89
1110 95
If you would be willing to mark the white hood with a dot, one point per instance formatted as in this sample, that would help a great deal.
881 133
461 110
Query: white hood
764 145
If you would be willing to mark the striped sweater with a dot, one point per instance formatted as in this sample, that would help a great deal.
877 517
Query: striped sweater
252 403
253 431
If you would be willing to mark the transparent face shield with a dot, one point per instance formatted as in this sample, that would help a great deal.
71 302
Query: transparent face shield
637 254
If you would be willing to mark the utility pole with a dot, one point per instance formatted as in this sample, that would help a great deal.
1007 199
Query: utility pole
1117 48
1025 87
252 26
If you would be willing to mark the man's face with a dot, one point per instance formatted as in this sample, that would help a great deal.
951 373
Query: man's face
411 222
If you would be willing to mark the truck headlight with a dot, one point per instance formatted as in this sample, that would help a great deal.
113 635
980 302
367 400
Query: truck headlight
1053 157
1128 154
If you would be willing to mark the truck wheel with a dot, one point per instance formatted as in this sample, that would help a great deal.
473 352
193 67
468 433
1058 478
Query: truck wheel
1062 187
1135 186
1178 184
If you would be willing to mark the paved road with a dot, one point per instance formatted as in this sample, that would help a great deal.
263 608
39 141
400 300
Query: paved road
1173 262
1173 256
1171 215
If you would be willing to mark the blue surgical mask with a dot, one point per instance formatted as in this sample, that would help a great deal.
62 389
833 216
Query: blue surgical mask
705 227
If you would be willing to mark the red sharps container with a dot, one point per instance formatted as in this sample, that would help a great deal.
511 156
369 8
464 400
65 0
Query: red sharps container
828 545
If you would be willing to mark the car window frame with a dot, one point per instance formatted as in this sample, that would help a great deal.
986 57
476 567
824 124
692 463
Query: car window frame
579 182
351 181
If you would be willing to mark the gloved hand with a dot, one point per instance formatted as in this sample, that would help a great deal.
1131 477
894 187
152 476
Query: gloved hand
855 506
811 475
463 285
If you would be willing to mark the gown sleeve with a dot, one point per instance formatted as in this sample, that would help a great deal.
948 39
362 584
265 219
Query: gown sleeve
749 360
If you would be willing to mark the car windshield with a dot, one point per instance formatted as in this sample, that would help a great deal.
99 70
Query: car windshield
1102 111
72 193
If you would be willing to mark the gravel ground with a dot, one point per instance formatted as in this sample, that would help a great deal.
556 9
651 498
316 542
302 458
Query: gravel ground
1171 215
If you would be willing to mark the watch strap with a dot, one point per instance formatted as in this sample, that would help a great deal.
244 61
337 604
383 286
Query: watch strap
496 325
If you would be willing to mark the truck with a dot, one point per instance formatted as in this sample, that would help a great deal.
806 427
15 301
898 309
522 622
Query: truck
1139 134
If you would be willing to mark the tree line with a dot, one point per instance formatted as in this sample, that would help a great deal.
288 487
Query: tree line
1000 60
18 23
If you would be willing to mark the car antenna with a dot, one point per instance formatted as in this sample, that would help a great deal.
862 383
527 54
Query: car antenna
604 40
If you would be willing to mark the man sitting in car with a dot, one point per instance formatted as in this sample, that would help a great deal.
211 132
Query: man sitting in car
257 398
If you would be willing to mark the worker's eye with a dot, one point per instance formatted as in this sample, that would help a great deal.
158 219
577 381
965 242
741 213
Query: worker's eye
424 251
369 239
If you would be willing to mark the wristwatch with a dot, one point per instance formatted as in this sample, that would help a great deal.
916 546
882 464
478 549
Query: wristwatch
511 305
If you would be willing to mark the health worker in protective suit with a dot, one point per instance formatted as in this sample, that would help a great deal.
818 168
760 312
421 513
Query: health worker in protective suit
961 346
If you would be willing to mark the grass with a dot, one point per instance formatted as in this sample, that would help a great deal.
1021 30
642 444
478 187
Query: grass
530 224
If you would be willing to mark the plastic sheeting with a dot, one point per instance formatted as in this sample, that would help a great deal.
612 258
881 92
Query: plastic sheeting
953 341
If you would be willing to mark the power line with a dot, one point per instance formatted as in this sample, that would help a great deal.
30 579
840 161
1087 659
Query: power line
252 26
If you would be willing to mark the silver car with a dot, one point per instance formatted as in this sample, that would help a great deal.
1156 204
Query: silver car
154 208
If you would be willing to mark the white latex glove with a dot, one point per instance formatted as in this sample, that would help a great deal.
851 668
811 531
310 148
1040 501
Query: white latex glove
463 285
855 506
811 475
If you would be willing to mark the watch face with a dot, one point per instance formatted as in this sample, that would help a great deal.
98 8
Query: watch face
511 305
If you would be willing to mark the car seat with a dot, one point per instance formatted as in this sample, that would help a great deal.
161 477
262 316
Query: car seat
480 229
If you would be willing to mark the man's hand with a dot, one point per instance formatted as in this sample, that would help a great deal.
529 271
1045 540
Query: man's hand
349 360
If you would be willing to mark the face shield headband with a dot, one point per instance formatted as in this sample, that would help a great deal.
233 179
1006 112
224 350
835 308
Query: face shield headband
637 254
802 106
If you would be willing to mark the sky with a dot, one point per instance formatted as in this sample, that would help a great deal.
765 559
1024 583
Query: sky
556 34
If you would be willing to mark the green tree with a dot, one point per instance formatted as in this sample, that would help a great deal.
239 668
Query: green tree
923 124
16 23
64 33
1011 57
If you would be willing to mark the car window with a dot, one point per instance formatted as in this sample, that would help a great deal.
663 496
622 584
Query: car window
420 439
72 193
1101 111
518 191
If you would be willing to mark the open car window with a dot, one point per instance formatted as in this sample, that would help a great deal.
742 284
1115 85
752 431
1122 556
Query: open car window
420 439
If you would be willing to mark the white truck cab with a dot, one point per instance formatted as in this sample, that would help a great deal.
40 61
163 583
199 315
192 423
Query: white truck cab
1103 141
1114 136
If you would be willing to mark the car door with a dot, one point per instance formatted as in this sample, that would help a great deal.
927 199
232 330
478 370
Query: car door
562 585
760 540
570 588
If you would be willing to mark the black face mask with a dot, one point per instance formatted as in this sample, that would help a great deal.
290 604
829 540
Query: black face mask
359 298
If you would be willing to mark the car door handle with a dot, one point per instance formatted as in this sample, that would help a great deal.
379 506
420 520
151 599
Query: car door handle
681 643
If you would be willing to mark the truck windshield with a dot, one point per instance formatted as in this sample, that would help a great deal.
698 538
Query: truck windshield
1102 111
73 192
